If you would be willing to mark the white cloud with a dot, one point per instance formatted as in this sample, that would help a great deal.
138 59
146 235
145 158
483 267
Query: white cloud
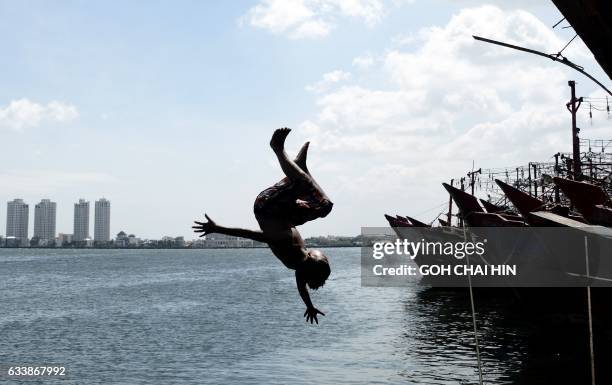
371 11
310 18
505 4
328 80
364 61
34 182
23 113
447 100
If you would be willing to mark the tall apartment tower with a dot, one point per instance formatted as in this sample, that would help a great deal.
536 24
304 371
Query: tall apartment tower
81 221
44 220
17 213
102 221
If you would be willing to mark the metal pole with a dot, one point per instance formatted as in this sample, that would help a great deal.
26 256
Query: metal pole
573 107
529 177
472 182
535 179
472 179
462 180
450 205
557 197
517 174
557 58
586 253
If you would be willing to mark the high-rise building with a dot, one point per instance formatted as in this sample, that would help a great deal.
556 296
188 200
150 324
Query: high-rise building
81 221
44 220
102 221
17 213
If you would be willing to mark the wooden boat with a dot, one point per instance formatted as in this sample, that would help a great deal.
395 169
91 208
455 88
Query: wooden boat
599 239
474 215
416 222
397 221
466 203
590 200
491 208
522 201
550 219
526 204
503 211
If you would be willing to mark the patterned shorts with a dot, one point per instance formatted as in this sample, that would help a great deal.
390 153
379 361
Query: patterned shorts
280 201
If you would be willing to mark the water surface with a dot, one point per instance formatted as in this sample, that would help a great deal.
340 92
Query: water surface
234 316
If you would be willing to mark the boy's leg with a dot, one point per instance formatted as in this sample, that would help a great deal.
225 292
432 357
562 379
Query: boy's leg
311 200
300 159
290 168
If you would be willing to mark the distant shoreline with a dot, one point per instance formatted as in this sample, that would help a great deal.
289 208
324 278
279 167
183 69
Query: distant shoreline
165 248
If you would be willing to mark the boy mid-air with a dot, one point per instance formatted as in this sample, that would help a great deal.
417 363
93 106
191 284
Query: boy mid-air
293 201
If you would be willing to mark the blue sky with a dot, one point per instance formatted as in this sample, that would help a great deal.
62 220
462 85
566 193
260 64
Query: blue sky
166 108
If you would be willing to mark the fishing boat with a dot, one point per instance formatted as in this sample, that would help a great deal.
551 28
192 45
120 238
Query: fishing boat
491 207
590 200
416 222
474 215
526 204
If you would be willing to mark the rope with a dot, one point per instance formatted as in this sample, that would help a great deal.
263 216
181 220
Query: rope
586 253
559 22
568 43
473 315
437 216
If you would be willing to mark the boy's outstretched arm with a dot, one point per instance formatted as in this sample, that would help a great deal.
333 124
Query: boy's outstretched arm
311 311
211 227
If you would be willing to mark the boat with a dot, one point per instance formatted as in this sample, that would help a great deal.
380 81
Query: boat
491 207
526 204
522 201
474 215
590 200
416 222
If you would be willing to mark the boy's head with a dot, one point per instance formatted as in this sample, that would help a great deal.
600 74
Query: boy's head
315 269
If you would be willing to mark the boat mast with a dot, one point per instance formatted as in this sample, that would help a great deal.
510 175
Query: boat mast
573 104
573 108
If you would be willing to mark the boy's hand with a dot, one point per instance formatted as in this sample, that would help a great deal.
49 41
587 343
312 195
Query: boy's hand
278 139
311 314
205 227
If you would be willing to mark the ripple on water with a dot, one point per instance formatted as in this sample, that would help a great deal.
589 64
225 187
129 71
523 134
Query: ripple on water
234 316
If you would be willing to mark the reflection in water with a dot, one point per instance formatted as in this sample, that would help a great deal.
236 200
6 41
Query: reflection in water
526 336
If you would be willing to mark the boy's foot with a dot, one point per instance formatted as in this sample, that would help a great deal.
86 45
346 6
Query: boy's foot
278 139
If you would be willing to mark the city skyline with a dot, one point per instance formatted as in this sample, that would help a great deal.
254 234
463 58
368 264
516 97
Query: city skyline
45 221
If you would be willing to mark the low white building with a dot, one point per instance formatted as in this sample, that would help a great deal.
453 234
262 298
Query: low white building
216 241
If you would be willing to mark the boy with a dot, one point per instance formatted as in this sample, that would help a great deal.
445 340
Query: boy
293 201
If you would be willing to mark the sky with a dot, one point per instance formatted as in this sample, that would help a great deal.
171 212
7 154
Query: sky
166 108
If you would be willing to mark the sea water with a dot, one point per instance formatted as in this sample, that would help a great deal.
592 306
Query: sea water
234 316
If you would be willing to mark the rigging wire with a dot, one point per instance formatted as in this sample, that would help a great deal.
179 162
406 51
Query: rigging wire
431 208
473 308
592 353
568 43
559 22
